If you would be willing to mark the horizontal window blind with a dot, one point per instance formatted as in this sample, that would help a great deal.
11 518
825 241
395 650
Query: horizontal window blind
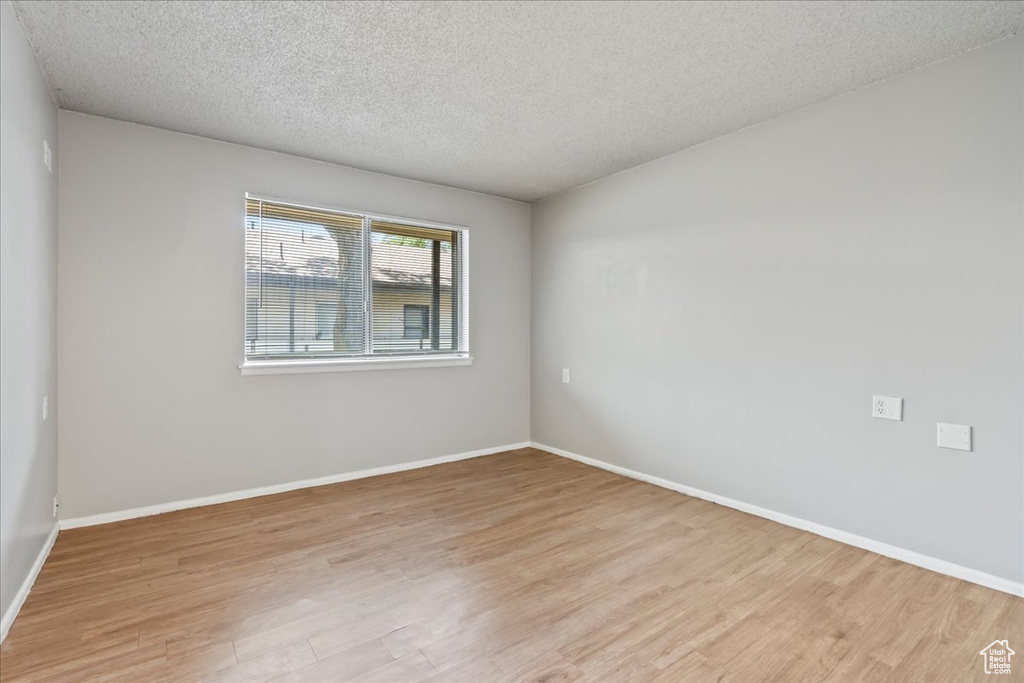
321 283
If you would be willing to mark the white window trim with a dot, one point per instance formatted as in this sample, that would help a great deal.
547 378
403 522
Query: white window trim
289 366
302 366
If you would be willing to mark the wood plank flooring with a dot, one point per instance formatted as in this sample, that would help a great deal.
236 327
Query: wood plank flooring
520 566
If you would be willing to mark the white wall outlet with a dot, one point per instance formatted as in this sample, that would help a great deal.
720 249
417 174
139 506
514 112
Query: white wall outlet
887 407
957 437
565 375
46 407
47 156
56 505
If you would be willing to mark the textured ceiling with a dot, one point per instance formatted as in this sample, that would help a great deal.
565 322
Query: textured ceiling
518 99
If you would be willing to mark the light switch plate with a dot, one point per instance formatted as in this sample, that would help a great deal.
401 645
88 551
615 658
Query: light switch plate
887 407
565 375
957 437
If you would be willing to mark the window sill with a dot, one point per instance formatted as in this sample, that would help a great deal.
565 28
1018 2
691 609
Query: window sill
292 367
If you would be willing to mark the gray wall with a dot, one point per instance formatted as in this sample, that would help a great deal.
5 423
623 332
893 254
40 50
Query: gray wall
727 313
28 309
153 408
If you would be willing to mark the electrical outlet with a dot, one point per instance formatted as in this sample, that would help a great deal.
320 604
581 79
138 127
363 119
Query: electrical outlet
565 375
887 407
56 504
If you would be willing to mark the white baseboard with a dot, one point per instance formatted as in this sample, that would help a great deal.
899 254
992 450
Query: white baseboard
107 517
932 563
26 585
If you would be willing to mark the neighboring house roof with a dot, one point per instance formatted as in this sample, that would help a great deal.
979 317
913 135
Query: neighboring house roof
308 254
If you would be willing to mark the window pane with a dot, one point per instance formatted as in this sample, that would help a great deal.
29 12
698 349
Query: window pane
310 290
251 317
326 314
304 281
417 323
415 288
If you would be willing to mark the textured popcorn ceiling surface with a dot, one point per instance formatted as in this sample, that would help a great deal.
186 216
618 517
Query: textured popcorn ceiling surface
518 99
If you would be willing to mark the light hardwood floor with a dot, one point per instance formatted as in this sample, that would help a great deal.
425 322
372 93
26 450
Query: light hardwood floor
512 567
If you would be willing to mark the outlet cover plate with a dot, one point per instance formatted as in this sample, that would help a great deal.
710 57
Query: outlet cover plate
957 437
887 407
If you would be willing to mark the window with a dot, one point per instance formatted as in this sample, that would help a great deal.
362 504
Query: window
251 331
326 314
416 323
324 285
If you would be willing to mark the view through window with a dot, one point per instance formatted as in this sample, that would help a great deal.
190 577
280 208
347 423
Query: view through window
321 283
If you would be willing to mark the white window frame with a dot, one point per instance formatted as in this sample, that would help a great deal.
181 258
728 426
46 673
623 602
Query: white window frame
369 361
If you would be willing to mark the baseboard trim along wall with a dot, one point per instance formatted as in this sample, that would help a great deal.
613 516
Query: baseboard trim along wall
149 510
910 557
26 585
